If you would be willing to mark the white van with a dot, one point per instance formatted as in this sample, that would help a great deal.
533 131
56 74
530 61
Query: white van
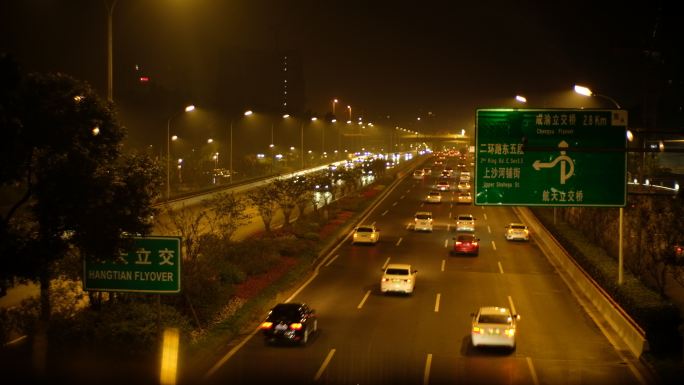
423 221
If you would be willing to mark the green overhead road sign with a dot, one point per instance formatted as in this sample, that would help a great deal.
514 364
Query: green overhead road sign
542 157
153 265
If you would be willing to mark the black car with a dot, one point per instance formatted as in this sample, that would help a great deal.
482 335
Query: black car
291 322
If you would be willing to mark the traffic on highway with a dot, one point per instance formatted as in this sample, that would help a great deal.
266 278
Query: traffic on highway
408 309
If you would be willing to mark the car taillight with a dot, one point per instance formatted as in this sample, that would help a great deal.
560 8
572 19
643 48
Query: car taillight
478 330
509 332
407 280
385 279
474 243
457 243
266 325
296 326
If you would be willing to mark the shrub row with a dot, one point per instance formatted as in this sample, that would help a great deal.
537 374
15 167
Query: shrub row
658 317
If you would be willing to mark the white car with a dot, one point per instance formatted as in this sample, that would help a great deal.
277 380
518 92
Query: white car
443 186
434 197
465 197
465 222
494 326
398 277
517 231
463 186
427 171
366 234
418 174
422 221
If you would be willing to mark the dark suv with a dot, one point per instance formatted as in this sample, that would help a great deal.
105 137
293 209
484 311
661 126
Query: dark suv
292 322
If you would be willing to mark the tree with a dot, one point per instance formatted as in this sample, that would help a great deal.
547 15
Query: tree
302 189
265 198
225 213
69 186
185 222
287 198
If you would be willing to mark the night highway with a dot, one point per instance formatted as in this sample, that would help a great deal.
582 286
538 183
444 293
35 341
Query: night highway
366 337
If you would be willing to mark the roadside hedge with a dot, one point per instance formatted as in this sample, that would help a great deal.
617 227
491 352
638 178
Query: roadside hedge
657 316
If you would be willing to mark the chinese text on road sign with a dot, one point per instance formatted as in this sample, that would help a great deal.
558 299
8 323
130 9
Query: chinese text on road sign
151 266
551 157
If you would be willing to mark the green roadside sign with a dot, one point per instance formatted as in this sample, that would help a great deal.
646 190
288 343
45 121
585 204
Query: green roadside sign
152 265
549 157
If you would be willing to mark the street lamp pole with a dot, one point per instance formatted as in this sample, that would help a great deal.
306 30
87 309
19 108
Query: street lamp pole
110 72
230 163
587 92
301 136
168 149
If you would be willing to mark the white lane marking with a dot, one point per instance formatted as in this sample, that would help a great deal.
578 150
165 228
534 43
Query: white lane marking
324 365
422 204
426 373
482 208
408 226
373 224
443 263
399 241
446 243
386 263
402 197
500 267
365 297
383 214
232 352
331 260
494 245
510 300
449 215
408 191
533 372
449 227
489 229
439 295
394 204
485 217
451 205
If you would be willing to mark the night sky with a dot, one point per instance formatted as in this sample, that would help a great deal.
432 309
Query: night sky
386 58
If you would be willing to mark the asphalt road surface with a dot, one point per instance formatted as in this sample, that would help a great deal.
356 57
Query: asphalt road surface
366 337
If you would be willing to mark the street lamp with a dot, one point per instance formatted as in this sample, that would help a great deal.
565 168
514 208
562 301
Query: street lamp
587 92
168 148
110 77
230 163
521 98
334 101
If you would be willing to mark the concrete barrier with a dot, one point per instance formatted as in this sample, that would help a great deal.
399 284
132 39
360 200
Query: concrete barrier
580 282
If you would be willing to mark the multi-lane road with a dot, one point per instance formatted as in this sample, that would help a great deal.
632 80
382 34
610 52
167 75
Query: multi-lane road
366 337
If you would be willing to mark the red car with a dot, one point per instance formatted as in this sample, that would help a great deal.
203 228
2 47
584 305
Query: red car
466 243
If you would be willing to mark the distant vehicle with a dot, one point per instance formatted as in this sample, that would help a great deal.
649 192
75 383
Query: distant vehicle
291 322
418 174
423 221
465 174
466 243
465 197
493 326
366 234
464 178
434 197
398 278
443 185
427 171
463 186
517 231
465 222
